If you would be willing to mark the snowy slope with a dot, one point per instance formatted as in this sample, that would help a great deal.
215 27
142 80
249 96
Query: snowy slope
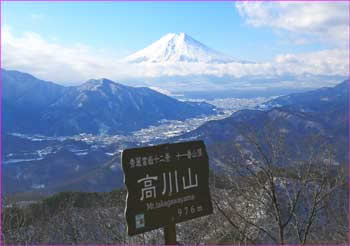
97 107
178 48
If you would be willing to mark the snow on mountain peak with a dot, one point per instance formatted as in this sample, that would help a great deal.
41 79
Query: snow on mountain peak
98 84
180 47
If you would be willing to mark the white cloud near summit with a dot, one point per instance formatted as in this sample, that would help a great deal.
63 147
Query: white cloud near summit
77 63
306 21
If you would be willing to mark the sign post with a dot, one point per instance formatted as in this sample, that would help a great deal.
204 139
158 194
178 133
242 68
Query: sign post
166 184
170 234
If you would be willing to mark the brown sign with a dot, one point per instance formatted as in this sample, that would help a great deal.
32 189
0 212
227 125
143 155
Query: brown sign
166 184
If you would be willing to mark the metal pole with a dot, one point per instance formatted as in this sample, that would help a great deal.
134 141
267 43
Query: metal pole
170 234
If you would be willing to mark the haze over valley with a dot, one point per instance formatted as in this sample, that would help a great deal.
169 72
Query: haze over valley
30 143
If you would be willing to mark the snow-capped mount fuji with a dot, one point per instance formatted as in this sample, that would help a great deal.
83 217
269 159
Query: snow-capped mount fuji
179 48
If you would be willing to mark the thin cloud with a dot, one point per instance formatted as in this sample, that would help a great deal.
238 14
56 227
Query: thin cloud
47 59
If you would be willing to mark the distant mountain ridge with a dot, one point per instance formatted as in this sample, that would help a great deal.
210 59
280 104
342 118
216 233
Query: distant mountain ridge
312 100
180 47
32 106
323 112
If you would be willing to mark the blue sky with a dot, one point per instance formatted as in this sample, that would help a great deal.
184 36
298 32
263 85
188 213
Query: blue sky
70 42
125 27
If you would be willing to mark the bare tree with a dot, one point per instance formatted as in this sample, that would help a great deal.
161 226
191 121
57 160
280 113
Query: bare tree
62 219
277 193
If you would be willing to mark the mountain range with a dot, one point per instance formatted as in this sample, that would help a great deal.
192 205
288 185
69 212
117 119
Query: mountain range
79 165
321 113
33 106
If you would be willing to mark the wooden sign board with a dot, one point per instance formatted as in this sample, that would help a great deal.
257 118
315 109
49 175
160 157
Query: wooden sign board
166 184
